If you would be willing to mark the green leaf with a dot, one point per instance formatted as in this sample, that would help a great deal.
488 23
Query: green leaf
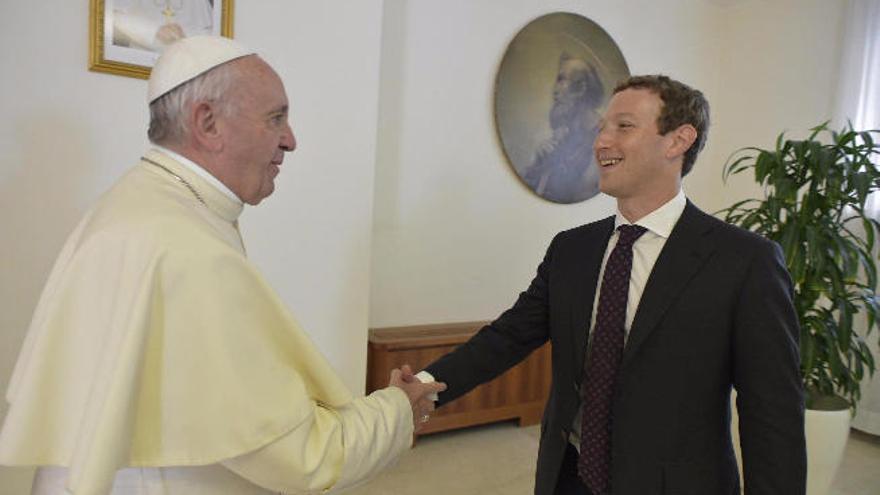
815 190
765 161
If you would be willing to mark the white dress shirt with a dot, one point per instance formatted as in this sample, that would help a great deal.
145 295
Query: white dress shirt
646 250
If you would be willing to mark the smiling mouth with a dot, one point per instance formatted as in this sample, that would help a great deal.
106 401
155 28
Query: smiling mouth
607 162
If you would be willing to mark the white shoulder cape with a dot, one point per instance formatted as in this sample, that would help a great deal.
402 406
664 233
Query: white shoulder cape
156 343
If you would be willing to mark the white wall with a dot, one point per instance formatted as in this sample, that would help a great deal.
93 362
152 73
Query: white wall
312 238
456 234
778 68
66 134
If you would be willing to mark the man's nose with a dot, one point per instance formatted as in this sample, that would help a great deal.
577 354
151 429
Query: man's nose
288 140
601 139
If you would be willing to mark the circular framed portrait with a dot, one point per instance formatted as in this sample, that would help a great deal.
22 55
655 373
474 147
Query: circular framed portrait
553 84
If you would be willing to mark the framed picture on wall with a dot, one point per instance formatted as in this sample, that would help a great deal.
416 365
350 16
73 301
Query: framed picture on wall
553 84
127 36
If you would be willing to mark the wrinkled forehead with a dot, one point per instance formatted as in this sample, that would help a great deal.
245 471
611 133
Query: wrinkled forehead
257 82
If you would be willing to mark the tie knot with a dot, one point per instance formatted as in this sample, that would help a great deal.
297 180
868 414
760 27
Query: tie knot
629 233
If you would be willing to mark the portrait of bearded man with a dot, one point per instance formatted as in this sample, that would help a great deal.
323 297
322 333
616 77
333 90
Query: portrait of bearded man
562 170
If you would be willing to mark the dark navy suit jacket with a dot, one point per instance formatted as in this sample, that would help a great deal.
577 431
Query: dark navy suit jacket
716 313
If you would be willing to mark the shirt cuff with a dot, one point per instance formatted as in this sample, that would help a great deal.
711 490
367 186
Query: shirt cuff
426 377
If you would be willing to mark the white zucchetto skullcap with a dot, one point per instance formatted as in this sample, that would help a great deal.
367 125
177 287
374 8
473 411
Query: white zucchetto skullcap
187 58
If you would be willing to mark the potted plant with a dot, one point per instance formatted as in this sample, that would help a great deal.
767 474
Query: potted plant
814 206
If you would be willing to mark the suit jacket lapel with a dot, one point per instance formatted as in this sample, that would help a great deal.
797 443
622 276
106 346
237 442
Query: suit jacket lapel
685 253
589 251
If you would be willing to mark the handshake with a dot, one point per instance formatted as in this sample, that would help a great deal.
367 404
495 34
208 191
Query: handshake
421 395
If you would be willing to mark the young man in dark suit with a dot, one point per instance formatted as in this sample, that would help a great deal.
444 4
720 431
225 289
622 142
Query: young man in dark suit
654 315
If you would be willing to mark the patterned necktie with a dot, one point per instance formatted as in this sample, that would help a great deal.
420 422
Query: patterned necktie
600 372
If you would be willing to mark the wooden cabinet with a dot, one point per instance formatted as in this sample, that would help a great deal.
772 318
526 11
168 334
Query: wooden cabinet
519 393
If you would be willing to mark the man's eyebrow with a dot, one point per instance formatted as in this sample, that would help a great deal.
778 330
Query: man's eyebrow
281 109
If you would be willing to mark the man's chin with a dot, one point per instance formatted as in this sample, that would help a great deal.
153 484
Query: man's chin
267 191
263 194
607 189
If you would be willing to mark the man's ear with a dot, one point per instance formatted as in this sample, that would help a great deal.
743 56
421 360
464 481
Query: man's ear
205 128
682 139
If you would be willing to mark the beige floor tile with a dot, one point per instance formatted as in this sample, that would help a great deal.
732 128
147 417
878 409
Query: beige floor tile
500 459
16 480
859 472
521 485
471 461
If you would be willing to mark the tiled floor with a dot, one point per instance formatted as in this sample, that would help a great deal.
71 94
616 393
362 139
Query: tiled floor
487 460
500 459
860 472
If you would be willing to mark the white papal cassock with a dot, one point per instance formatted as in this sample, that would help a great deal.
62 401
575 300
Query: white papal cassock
160 362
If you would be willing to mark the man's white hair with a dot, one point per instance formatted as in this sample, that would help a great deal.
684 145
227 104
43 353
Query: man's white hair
169 122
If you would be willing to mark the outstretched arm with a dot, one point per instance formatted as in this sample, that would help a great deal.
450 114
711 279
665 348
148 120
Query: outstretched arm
337 448
500 345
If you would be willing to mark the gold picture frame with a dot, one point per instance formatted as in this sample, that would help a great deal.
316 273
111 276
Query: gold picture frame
121 39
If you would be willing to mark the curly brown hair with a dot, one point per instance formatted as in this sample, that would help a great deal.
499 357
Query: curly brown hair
681 105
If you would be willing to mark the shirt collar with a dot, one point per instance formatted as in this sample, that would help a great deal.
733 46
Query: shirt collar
200 171
660 221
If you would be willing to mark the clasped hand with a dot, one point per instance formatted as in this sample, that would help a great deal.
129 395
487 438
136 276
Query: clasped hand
419 393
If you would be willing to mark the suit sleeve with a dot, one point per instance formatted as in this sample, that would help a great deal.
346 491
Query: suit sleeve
501 344
333 449
767 379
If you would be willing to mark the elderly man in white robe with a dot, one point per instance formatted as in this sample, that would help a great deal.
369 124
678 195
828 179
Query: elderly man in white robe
158 360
